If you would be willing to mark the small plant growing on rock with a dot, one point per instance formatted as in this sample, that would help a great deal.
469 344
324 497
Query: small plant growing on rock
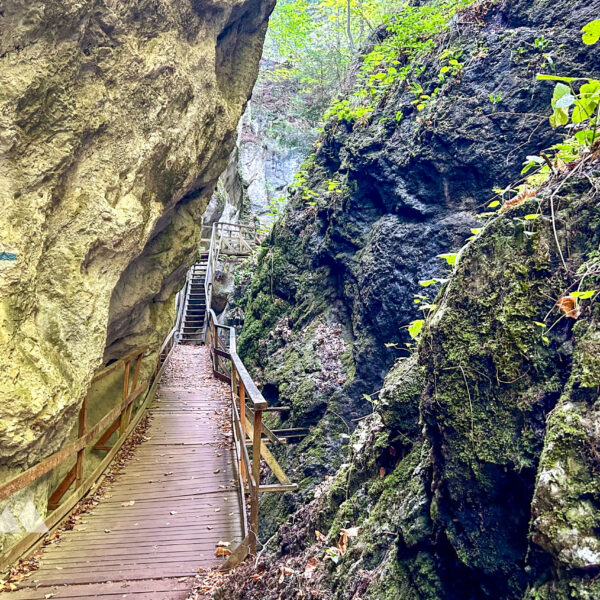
495 98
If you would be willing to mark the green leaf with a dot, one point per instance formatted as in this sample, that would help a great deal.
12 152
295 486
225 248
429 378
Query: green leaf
494 204
590 88
449 258
531 217
414 329
585 136
560 117
542 325
591 33
565 101
542 77
583 295
428 282
476 231
428 307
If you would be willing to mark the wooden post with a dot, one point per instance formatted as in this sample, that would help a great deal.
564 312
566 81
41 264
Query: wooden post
257 435
81 433
136 376
243 422
254 520
125 394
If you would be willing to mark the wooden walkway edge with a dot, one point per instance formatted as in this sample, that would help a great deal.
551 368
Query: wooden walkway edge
164 515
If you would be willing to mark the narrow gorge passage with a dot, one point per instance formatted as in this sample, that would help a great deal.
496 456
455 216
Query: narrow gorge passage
162 518
354 245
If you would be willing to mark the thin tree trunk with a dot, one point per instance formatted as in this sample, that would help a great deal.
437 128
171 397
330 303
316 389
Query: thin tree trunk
349 24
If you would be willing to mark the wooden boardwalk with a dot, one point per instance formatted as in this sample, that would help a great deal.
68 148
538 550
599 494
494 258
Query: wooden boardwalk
163 516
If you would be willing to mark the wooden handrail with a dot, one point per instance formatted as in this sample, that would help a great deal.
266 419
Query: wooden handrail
248 405
119 418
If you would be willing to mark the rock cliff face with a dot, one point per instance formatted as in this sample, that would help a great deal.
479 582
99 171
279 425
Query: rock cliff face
379 200
477 476
116 120
268 163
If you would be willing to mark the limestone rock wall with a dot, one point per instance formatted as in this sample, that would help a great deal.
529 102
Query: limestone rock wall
267 164
116 120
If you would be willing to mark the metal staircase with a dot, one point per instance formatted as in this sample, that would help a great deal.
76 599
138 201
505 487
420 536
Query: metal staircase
192 327
229 243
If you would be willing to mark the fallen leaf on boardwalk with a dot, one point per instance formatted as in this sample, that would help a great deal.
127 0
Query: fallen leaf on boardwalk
107 531
216 471
320 537
217 510
173 512
130 503
182 579
224 544
169 473
310 567
568 306
48 596
222 552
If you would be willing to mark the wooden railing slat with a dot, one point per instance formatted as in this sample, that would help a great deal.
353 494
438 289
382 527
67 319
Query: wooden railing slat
22 480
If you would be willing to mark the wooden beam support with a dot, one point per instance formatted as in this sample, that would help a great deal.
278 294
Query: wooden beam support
123 426
61 490
278 487
80 433
270 459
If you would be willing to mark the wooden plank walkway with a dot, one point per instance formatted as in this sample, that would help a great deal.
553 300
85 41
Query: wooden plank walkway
163 516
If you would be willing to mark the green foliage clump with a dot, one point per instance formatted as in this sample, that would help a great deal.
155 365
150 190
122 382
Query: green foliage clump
575 105
412 32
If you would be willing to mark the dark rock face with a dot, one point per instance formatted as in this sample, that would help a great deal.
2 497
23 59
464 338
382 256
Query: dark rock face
376 204
497 495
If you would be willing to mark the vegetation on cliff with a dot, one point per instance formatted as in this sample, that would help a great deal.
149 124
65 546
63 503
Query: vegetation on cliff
473 471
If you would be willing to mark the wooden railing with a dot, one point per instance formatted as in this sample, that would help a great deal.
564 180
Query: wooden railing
120 418
236 239
248 406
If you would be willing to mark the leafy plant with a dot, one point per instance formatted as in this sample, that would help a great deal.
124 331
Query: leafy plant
541 43
575 106
495 98
591 32
415 327
411 34
449 258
